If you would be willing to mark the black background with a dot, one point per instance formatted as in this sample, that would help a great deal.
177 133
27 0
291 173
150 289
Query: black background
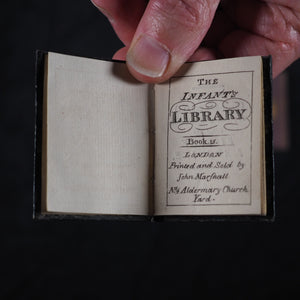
126 260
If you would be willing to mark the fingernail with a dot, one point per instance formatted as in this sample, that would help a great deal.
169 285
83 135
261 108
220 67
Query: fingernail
148 57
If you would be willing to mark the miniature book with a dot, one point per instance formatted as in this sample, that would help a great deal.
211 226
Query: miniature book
196 145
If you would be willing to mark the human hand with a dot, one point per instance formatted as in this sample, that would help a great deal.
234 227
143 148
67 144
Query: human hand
160 35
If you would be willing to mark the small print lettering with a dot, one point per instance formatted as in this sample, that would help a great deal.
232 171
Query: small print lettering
213 115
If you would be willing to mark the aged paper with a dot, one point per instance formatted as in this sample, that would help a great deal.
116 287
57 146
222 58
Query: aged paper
209 139
97 138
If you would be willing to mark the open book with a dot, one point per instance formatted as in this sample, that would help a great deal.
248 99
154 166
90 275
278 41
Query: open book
195 145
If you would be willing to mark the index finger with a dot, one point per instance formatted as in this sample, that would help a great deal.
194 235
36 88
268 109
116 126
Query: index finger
124 16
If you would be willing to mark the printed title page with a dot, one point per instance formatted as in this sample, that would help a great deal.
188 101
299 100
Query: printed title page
213 140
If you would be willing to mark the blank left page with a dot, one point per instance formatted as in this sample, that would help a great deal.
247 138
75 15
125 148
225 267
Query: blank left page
96 143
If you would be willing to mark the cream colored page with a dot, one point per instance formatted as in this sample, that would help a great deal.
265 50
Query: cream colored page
97 136
208 139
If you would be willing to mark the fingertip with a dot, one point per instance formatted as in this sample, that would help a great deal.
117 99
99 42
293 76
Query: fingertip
147 58
120 54
203 53
143 78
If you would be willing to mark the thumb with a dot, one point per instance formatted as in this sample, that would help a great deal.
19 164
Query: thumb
167 35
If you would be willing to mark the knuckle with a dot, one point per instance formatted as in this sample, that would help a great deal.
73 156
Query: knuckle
190 13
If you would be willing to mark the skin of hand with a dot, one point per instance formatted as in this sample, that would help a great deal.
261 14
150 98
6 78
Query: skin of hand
160 35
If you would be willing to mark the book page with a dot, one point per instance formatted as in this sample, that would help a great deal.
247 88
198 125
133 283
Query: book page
209 139
97 141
